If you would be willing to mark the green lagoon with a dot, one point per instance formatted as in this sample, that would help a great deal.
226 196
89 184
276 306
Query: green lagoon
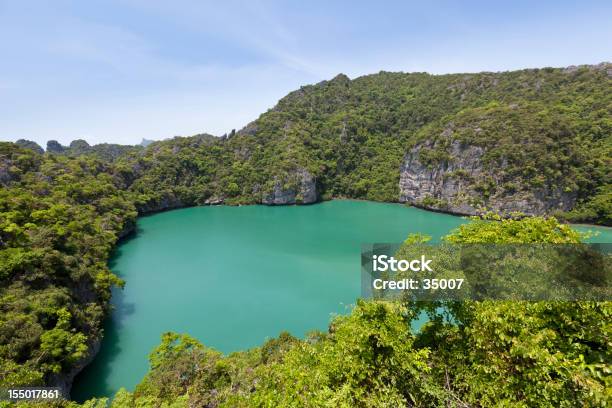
234 276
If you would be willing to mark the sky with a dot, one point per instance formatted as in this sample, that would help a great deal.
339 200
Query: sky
118 71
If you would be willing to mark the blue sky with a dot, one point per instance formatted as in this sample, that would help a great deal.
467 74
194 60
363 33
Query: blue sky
118 71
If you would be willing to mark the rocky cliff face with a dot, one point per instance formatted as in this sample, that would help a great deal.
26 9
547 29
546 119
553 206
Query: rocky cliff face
452 186
5 174
304 193
28 144
53 146
9 172
166 202
64 380
301 189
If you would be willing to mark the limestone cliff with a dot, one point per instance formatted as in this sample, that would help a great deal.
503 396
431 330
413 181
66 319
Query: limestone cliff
454 185
165 202
298 187
302 191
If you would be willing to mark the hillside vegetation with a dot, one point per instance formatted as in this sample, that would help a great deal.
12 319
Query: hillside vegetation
545 136
540 132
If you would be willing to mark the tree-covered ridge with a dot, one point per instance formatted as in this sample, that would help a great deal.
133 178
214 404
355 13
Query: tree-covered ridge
79 147
362 128
543 132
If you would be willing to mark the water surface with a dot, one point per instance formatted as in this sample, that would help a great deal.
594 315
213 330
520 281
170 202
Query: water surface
234 276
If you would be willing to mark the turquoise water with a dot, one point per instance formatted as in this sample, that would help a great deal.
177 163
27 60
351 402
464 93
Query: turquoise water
234 276
600 234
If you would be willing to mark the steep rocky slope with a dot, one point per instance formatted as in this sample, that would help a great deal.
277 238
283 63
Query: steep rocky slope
504 158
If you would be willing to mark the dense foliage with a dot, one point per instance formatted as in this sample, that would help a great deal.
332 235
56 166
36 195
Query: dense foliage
62 211
59 219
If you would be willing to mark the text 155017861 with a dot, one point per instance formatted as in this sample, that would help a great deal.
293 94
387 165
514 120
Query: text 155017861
30 393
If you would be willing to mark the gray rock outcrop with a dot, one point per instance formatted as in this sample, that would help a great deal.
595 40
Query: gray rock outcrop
28 144
166 202
53 146
304 193
79 146
5 174
64 380
450 186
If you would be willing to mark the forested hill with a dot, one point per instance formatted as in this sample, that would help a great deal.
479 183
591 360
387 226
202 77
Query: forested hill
536 141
